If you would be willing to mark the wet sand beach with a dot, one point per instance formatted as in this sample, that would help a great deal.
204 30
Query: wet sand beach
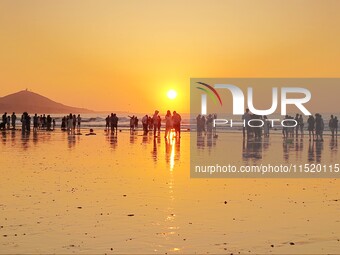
100 194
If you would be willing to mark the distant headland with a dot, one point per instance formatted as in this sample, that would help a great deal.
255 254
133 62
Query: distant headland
27 101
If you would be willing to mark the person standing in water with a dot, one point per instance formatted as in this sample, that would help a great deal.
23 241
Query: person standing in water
114 124
35 122
176 121
311 126
145 124
266 126
331 125
70 123
155 122
246 117
168 123
159 124
107 123
132 123
78 122
8 122
301 124
14 119
336 126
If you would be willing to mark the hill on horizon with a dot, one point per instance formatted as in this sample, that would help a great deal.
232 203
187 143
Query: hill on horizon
27 101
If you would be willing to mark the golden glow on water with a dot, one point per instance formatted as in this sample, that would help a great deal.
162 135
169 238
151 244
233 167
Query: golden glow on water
54 186
172 144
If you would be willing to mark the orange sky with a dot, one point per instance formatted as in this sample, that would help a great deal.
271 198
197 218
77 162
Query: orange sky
125 55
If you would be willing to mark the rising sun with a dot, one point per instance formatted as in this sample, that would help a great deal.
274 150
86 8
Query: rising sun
172 94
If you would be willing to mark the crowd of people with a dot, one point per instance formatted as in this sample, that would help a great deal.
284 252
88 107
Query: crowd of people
154 123
261 125
71 123
112 123
8 121
205 124
294 126
39 122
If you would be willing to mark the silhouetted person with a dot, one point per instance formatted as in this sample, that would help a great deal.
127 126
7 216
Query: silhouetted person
43 121
78 122
246 117
70 123
23 122
63 123
311 126
210 123
4 120
168 123
297 127
198 123
48 123
136 122
301 124
266 126
132 123
14 119
74 123
176 121
318 127
331 125
8 122
154 121
150 123
159 123
203 121
114 124
107 121
35 122
28 123
145 124
336 126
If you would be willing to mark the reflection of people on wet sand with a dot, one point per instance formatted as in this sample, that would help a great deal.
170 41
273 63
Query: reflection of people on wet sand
251 149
